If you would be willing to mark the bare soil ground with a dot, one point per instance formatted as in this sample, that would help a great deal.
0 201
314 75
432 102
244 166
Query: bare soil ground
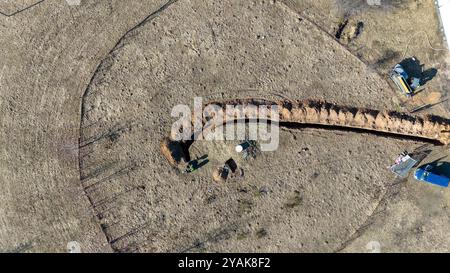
86 95
387 34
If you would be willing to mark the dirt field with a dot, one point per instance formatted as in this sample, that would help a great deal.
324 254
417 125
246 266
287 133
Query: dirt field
86 96
389 33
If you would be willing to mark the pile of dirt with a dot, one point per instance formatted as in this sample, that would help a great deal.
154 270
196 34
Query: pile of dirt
326 113
173 151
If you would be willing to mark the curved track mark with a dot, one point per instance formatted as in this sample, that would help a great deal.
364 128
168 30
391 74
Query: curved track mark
21 10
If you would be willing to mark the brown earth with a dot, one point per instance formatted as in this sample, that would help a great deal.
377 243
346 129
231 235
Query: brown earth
391 32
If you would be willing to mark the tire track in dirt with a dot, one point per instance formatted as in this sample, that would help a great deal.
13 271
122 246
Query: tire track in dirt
21 10
82 143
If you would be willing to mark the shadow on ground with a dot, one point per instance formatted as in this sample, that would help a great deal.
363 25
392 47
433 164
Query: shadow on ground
441 168
414 69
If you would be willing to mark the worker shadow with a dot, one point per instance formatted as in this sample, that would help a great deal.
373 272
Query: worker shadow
200 162
415 69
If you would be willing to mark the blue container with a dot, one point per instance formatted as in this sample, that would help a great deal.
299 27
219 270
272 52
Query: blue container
426 174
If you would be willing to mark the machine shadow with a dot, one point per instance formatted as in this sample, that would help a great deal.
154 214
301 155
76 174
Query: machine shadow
414 68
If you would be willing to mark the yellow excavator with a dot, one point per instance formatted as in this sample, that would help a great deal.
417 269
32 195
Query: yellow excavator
407 85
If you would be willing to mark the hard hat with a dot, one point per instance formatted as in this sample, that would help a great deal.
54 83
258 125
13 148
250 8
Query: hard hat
239 148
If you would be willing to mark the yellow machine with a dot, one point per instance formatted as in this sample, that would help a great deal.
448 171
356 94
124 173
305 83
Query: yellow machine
406 84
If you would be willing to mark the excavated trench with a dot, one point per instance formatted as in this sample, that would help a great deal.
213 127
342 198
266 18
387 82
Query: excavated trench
321 115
